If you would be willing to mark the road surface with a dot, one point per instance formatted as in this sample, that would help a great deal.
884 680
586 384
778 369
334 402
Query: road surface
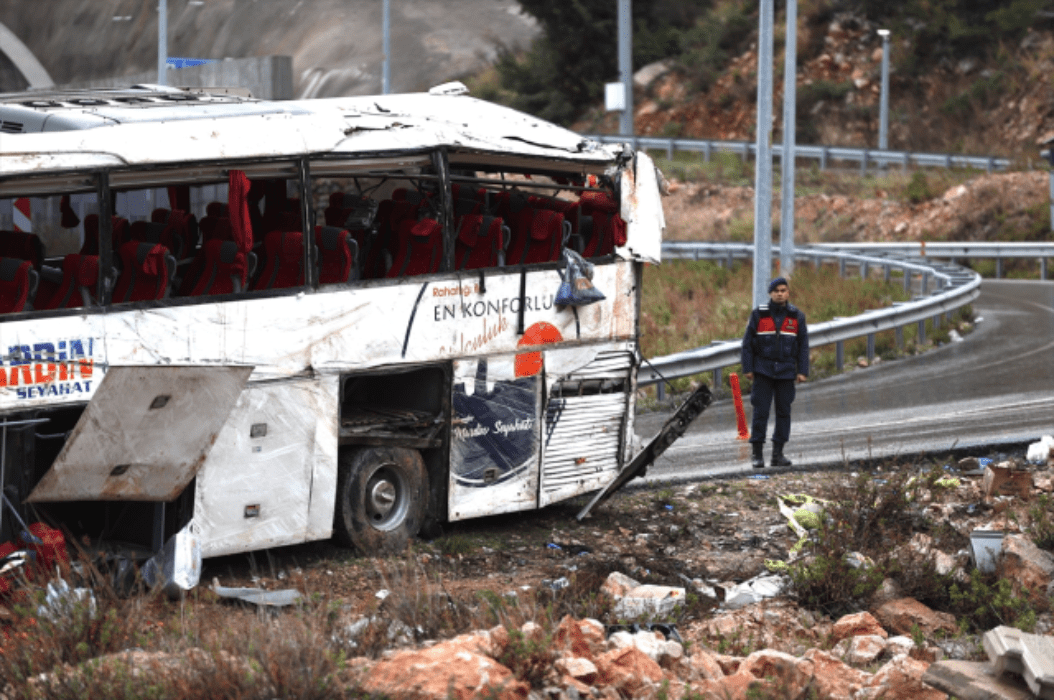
997 386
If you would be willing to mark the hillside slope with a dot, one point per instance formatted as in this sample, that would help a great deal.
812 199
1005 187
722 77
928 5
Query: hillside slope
335 44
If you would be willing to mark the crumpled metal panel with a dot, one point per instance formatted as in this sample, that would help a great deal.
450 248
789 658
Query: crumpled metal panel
144 435
582 437
642 211
350 125
494 438
272 476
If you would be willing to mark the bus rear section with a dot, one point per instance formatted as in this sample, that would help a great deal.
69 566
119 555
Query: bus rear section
186 359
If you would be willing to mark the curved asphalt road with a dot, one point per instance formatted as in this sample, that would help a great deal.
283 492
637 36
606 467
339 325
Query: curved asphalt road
997 386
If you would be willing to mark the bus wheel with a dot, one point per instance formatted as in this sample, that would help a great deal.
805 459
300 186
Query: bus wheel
382 496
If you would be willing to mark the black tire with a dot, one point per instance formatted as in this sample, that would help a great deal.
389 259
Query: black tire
382 497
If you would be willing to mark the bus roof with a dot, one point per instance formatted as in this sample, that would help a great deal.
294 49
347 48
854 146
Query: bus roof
209 127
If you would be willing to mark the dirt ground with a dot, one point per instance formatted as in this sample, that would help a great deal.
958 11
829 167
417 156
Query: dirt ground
710 534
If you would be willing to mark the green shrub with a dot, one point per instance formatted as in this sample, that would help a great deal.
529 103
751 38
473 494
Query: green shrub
918 189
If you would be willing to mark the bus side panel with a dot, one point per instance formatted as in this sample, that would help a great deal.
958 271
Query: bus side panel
255 490
586 425
326 408
494 440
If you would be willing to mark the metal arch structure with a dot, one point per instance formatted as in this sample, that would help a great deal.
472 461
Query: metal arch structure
24 60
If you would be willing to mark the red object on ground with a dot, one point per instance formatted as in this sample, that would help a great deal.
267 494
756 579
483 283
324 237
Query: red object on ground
741 417
52 549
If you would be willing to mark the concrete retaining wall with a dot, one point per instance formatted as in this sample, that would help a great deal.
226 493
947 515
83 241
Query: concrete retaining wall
266 77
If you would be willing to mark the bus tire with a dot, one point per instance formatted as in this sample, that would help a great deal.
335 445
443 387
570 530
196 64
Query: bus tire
382 496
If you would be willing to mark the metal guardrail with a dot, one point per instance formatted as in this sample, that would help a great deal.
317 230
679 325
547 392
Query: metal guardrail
866 157
953 250
955 287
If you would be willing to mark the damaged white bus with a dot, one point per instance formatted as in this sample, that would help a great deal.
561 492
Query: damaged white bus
276 322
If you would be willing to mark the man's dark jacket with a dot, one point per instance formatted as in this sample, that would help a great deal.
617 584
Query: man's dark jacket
776 343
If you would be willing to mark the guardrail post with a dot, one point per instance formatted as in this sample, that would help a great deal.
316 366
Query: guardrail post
863 163
870 347
746 153
899 332
660 390
998 268
841 267
948 161
886 273
669 150
925 282
823 158
1043 268
715 383
817 262
989 166
839 355
907 161
922 333
729 260
706 151
864 271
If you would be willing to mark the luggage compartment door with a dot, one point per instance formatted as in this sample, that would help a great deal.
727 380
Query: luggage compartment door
144 435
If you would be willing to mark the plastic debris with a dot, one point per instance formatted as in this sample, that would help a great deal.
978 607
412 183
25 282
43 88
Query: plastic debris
557 585
759 477
668 507
985 547
382 594
669 631
1039 452
62 602
754 590
948 482
577 288
260 597
177 567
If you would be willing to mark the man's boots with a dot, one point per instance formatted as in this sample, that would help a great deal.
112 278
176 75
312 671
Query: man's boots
778 460
758 460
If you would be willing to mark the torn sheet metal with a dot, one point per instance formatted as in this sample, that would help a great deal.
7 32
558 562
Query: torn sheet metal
177 567
642 211
271 477
346 125
583 436
667 435
144 435
260 597
495 436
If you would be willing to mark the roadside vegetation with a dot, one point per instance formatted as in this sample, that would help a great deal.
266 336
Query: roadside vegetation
503 572
688 304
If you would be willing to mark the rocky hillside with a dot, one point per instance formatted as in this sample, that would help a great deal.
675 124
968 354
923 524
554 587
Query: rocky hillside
1003 105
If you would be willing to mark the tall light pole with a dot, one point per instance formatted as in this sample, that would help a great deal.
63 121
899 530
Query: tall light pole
763 160
386 47
162 41
883 108
790 84
625 64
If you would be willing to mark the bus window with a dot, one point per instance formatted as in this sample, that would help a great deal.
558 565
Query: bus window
41 263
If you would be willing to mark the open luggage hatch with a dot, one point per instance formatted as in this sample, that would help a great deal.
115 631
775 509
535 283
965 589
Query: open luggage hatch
144 435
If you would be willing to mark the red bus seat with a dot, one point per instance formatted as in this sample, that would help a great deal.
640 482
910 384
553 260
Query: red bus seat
17 285
537 237
338 255
225 269
24 246
283 261
145 272
420 249
480 242
80 276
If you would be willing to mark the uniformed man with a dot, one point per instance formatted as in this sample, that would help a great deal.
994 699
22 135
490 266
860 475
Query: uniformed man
775 355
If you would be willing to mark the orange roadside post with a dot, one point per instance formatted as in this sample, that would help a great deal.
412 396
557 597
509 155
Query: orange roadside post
741 417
